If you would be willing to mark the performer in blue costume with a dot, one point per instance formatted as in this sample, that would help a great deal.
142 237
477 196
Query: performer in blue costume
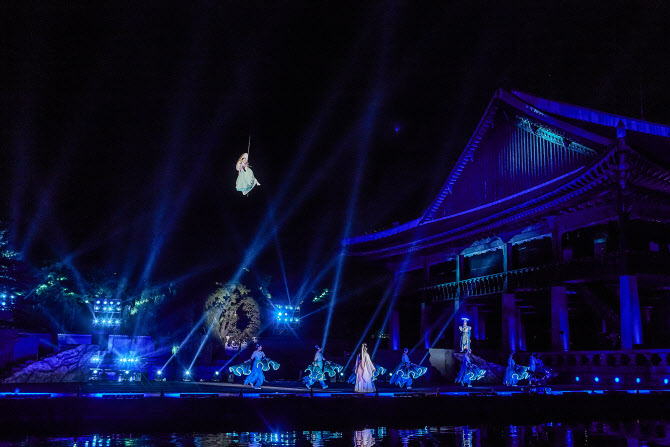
465 335
407 371
254 367
319 369
538 373
469 372
514 372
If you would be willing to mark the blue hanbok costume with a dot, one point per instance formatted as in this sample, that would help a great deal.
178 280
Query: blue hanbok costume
318 371
465 337
538 373
253 369
514 373
407 371
469 372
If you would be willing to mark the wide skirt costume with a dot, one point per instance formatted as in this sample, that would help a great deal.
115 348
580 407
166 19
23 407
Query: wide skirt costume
253 369
319 370
245 181
406 372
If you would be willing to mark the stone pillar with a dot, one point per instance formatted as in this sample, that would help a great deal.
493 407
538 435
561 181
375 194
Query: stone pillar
631 324
521 332
459 307
481 326
560 328
473 314
556 245
509 323
395 330
425 324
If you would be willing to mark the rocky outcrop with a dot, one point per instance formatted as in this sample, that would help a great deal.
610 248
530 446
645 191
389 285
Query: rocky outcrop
71 365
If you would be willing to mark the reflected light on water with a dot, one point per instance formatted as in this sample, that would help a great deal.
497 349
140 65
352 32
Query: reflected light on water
597 433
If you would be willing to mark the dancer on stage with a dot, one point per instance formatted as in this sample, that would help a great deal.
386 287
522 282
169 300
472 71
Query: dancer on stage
407 371
319 369
245 176
465 335
364 372
538 373
514 372
469 371
254 367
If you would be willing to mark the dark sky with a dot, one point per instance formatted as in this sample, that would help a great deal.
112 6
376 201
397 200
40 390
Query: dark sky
122 122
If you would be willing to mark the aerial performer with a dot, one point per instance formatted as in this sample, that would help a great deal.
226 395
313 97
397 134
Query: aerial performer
364 372
254 367
465 335
514 372
407 371
319 369
245 176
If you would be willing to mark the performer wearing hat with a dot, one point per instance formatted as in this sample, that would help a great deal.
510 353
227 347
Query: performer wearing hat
465 335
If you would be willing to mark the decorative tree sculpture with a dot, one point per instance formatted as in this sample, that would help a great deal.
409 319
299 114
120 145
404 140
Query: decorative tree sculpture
232 313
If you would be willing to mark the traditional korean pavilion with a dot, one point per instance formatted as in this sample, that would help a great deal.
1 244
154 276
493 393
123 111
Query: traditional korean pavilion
551 232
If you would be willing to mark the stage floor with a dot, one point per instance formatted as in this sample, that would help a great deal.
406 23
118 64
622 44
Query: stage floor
224 389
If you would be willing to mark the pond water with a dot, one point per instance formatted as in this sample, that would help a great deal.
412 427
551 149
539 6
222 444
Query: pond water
611 434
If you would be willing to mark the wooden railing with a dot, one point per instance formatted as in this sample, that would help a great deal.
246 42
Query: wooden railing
543 277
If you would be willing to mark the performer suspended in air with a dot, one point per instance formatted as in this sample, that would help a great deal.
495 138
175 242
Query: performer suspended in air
514 372
319 369
364 372
245 176
407 371
254 367
465 335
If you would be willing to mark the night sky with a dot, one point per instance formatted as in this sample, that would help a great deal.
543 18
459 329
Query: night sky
122 122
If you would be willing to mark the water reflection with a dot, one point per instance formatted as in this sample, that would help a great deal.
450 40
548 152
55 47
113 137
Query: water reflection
643 433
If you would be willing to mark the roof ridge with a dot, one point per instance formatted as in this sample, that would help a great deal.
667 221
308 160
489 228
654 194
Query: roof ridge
593 116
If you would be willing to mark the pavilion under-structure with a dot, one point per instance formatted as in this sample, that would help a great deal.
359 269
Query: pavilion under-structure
551 233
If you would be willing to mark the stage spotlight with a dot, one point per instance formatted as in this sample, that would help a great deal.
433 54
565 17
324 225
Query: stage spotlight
97 302
617 380
597 379
665 381
637 380
127 372
577 379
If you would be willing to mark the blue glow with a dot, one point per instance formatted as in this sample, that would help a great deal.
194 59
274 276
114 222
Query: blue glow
597 379
4 303
616 379
665 381
159 372
637 380
577 379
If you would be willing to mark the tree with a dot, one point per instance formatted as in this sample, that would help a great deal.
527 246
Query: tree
232 313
